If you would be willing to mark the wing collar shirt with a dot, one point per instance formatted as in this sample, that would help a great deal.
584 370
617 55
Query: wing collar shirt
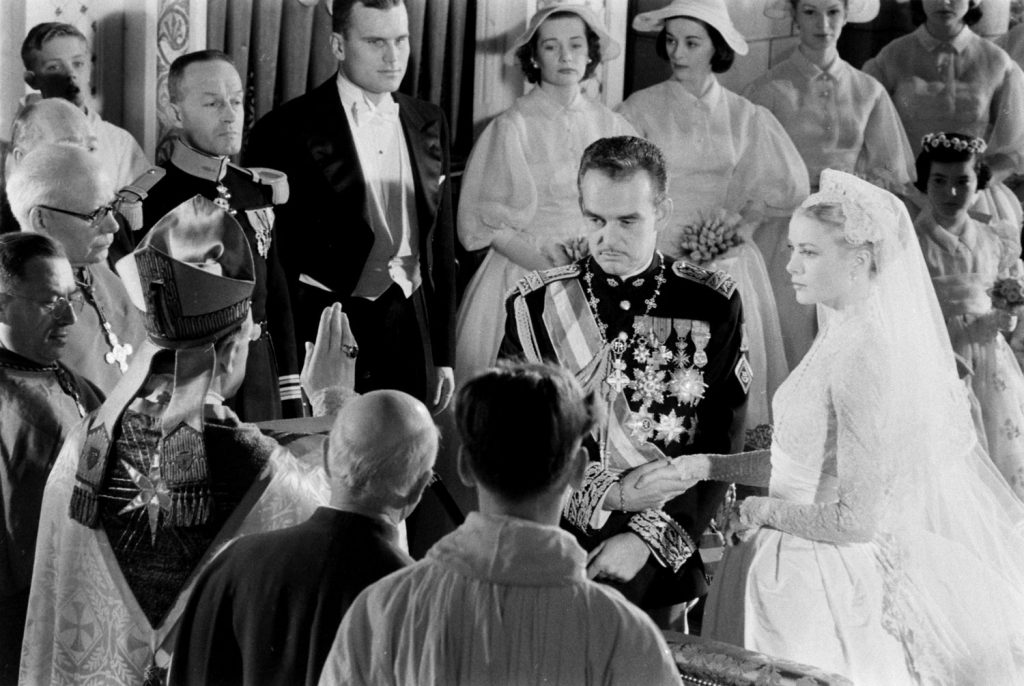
390 192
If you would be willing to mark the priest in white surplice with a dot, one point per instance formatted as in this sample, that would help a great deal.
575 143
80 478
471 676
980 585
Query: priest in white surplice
505 599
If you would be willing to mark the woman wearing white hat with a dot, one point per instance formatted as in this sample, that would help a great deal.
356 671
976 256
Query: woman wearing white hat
519 193
945 77
724 152
838 117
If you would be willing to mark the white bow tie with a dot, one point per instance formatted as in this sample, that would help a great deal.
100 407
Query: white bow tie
364 113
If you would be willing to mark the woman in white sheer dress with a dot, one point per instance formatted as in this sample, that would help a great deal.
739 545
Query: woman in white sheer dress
945 77
838 116
965 257
519 193
889 549
723 152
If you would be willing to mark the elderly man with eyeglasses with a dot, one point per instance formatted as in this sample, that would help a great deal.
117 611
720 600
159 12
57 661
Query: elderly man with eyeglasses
40 401
62 191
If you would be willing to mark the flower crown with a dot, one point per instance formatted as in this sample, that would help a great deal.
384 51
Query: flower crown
933 141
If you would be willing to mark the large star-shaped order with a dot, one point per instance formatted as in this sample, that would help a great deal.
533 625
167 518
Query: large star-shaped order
687 385
153 495
640 424
648 385
669 428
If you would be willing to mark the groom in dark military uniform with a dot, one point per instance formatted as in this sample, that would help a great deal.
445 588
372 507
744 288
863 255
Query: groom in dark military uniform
662 342
206 101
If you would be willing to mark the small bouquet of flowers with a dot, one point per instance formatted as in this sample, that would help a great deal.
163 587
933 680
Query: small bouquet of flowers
1007 293
1007 296
713 233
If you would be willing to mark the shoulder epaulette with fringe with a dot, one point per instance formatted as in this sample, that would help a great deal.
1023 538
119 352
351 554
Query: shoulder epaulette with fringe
277 180
714 279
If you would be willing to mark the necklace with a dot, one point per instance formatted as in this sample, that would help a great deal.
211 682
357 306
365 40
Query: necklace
660 372
64 378
617 379
119 352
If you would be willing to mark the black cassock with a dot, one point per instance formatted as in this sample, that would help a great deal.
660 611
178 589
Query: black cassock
267 609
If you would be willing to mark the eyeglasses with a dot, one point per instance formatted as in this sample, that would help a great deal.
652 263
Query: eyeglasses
59 305
94 217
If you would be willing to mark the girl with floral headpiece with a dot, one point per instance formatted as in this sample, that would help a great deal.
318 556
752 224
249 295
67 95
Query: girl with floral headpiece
945 77
889 549
965 256
519 198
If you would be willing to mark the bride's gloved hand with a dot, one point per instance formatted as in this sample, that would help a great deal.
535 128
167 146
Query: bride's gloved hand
740 527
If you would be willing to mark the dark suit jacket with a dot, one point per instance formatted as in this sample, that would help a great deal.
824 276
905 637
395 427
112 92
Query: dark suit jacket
324 230
266 610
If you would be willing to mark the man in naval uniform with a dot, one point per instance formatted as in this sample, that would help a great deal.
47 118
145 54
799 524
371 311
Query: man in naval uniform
662 342
206 101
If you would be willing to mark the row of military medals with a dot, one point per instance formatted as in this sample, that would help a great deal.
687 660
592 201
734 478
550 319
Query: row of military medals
260 225
660 371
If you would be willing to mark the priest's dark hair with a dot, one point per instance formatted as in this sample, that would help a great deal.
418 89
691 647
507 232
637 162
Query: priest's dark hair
622 156
18 250
520 425
341 11
177 70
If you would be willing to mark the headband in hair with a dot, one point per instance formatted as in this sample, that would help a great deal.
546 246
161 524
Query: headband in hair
960 143
867 209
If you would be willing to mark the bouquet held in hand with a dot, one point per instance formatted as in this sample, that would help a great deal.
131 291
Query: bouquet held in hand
1007 293
710 235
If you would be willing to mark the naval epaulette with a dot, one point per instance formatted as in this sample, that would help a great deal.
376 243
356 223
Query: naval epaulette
277 180
129 198
536 280
715 279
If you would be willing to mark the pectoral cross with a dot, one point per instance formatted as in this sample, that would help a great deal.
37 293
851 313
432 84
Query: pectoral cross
118 352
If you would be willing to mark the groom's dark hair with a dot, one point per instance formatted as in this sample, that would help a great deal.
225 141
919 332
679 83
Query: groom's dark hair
620 157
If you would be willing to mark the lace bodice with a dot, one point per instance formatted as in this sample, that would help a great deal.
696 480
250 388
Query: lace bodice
829 458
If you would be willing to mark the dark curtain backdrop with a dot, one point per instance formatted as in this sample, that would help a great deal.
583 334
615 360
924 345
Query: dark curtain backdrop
282 49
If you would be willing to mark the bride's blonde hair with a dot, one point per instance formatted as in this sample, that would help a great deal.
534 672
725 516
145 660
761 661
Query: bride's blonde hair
832 216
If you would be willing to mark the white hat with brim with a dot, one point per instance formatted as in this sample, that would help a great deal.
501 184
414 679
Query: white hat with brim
711 12
857 11
609 46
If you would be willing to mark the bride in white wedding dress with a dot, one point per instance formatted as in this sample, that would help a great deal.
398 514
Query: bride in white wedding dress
889 549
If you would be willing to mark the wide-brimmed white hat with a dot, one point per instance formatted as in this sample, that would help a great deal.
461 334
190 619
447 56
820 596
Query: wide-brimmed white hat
711 12
857 11
545 8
